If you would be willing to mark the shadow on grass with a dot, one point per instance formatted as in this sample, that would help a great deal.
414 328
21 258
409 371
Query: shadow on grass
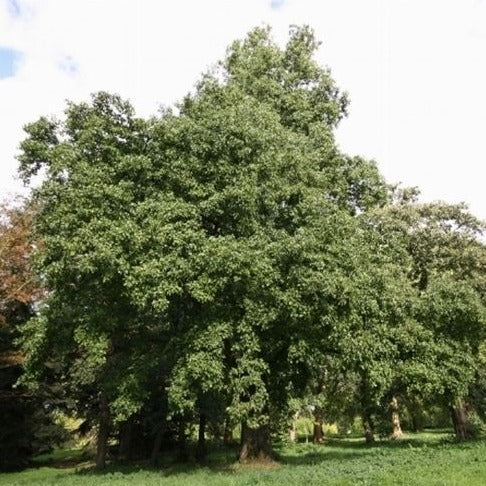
218 460
343 449
335 450
62 459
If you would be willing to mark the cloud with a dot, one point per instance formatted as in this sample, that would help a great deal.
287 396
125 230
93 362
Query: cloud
68 65
418 102
150 52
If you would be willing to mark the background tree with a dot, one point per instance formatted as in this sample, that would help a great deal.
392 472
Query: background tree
26 427
447 270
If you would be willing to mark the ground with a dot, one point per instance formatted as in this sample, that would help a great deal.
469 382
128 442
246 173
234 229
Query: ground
429 458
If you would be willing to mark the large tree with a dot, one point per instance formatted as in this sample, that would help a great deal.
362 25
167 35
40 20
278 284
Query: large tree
277 203
211 247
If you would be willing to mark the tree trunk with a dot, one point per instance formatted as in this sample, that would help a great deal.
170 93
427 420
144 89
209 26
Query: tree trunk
395 418
459 420
103 434
369 430
366 409
228 433
201 439
293 432
154 456
182 452
415 408
125 441
293 429
415 422
318 433
255 443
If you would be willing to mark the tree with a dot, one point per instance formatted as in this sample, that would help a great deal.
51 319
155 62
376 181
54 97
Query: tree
207 252
26 425
18 284
447 268
277 201
88 327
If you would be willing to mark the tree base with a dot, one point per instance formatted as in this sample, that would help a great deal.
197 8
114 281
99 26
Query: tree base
255 445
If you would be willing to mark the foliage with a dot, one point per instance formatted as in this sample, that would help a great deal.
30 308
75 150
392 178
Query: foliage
19 287
217 235
224 261
27 427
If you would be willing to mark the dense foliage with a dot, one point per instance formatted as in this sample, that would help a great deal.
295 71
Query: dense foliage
27 427
225 263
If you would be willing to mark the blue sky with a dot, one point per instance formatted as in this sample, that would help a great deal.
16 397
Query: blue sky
276 4
415 72
8 62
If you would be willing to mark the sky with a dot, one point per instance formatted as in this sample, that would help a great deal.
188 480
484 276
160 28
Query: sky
415 71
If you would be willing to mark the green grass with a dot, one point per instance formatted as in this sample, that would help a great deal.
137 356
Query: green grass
422 459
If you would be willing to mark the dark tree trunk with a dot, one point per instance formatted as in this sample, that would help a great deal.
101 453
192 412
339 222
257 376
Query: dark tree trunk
318 433
459 420
415 408
103 434
395 418
415 421
201 439
228 433
182 443
366 409
125 442
369 429
255 443
154 456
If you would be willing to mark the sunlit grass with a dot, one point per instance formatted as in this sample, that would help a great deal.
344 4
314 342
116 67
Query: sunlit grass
428 458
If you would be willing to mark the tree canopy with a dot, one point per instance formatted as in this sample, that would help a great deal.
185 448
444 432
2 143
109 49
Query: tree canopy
225 257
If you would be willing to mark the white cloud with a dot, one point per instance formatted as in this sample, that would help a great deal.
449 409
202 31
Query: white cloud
415 71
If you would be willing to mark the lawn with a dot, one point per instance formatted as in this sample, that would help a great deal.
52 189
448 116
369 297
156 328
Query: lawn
429 458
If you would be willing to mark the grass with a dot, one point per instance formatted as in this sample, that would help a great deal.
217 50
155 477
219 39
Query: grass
429 458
